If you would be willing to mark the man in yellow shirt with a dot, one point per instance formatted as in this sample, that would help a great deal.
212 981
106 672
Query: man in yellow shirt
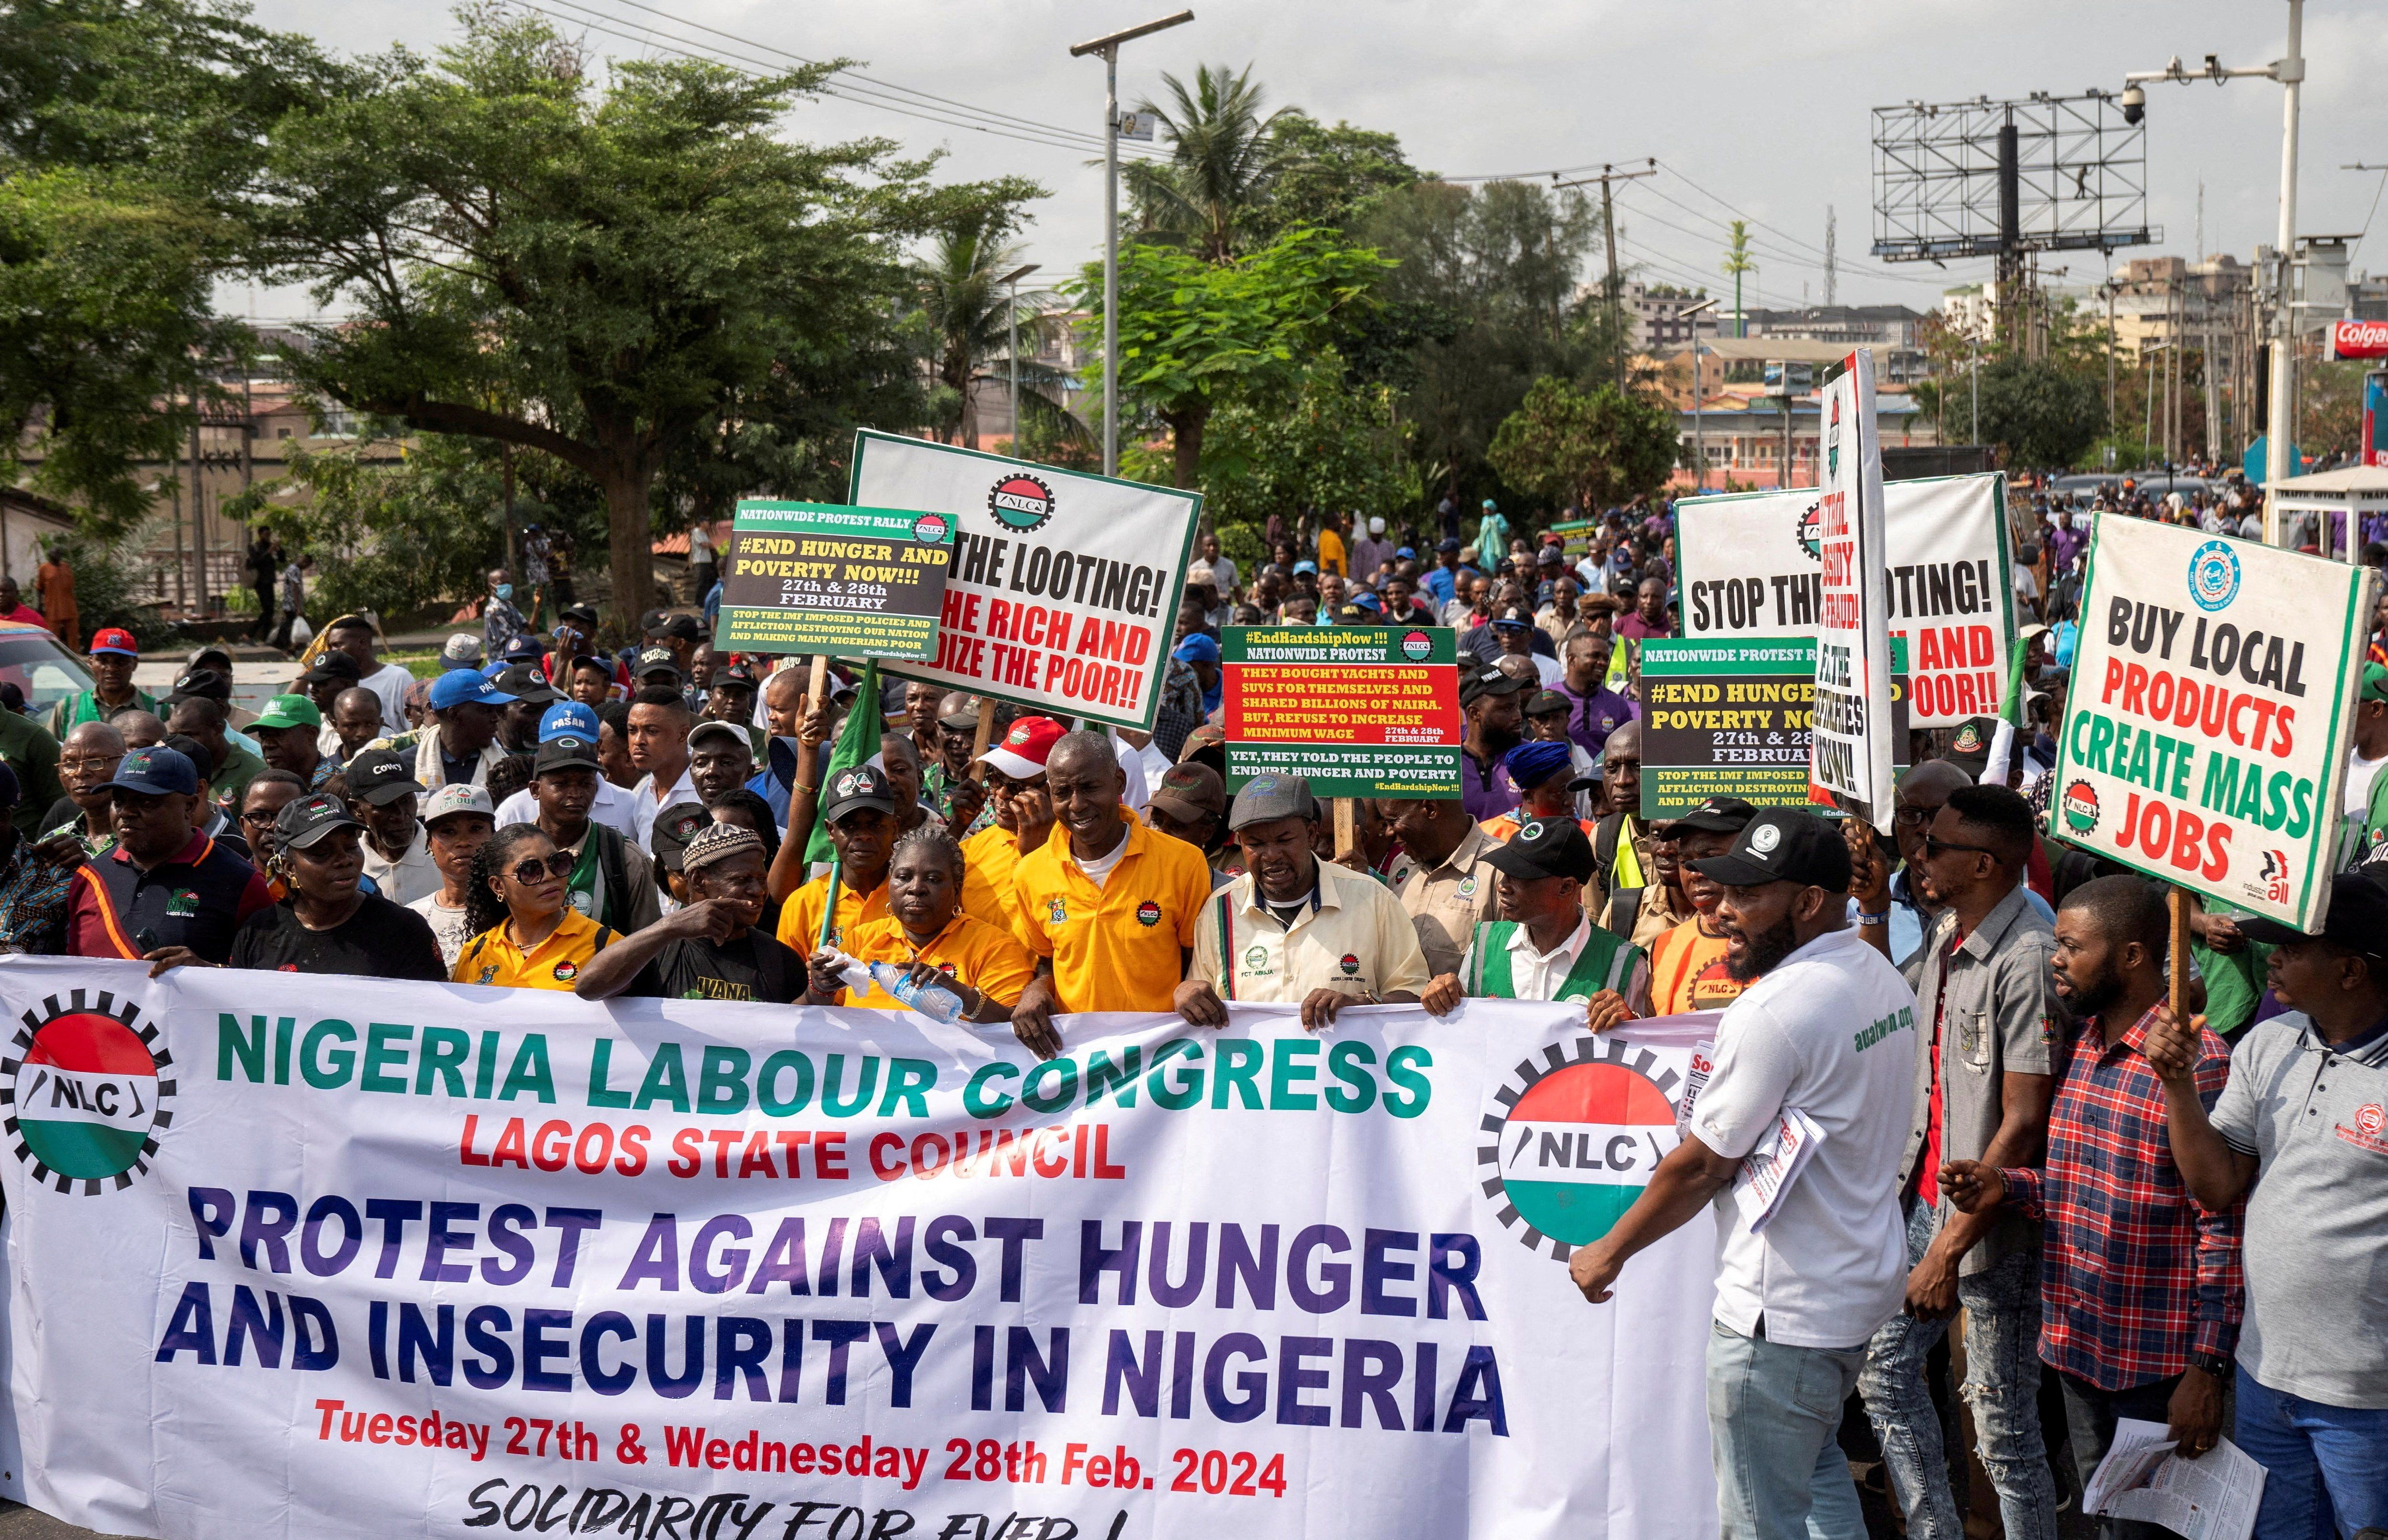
927 933
1023 813
1294 927
859 810
1332 557
1106 905
1687 971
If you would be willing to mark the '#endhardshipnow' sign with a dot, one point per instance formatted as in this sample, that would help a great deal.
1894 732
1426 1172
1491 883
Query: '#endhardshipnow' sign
2206 737
459 1260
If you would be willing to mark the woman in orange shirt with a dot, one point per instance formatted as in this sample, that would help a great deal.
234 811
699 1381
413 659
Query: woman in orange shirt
926 933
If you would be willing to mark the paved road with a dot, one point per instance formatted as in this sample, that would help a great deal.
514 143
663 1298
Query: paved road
18 1523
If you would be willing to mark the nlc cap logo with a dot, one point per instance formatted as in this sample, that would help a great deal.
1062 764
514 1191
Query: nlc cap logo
1020 503
1583 1132
85 1094
2214 575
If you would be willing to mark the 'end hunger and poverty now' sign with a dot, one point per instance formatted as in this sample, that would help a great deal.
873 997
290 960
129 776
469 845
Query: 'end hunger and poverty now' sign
1752 569
2206 737
462 1260
1731 719
1365 710
814 578
1062 596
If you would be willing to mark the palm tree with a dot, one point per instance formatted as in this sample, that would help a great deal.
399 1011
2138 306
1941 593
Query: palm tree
967 308
1736 263
1223 160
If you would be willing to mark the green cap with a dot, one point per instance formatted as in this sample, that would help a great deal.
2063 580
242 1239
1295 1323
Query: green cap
289 710
2375 683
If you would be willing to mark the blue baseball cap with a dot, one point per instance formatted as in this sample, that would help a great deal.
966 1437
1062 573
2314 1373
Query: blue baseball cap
1301 567
156 772
1407 553
1363 600
568 719
460 687
1197 649
522 648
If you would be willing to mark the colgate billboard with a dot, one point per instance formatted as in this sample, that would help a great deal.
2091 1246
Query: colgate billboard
2358 339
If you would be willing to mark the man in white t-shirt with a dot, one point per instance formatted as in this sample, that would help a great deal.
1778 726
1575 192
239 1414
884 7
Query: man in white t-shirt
1827 1029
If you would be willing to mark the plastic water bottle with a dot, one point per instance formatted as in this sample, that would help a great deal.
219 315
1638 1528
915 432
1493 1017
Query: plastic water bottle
933 1001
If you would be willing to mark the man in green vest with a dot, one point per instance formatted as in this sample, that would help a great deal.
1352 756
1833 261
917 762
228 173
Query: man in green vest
113 653
1545 945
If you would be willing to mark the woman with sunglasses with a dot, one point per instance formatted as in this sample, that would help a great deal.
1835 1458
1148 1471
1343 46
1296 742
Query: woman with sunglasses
524 934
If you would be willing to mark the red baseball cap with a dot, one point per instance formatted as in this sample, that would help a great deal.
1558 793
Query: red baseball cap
115 640
1025 749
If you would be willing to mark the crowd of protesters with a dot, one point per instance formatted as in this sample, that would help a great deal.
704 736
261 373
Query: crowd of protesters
2017 1124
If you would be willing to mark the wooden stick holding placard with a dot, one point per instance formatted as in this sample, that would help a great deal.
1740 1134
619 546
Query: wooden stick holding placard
817 686
979 739
2178 968
1347 818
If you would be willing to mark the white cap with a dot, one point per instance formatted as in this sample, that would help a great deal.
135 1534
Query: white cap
1376 526
455 797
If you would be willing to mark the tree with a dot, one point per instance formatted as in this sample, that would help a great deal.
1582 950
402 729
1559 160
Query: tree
2042 415
1594 449
1315 441
128 134
968 310
1326 177
1194 336
602 273
1223 165
1735 265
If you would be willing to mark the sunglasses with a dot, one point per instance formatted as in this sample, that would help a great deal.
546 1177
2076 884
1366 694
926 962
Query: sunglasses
534 870
1933 846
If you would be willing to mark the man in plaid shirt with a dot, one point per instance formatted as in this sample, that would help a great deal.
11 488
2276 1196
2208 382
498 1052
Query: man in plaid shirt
2140 1287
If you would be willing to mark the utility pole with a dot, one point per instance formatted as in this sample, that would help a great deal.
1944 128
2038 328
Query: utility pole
199 506
2110 352
1831 260
1608 175
1011 280
1108 47
1700 435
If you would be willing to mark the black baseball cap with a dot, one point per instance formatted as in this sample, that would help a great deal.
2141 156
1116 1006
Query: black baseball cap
565 753
1783 844
328 666
525 682
864 786
304 820
1717 815
655 660
381 776
203 682
1548 702
1546 847
675 827
2357 918
1969 749
679 628
1488 681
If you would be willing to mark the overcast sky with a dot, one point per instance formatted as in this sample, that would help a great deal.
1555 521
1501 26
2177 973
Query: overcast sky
1759 109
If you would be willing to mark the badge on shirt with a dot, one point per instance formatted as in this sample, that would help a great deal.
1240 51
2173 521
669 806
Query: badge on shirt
1467 886
566 971
1148 913
1350 966
489 974
182 903
583 904
1256 959
2370 1121
1057 913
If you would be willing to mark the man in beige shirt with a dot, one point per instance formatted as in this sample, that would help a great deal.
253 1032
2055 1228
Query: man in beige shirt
1294 929
1452 890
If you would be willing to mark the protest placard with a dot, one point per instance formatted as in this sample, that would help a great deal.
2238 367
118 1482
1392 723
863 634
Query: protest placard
1850 747
1361 711
1730 718
1751 568
1064 591
815 577
463 1260
2205 736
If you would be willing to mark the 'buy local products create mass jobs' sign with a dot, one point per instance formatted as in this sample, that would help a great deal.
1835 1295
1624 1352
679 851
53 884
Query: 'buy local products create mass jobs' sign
2205 737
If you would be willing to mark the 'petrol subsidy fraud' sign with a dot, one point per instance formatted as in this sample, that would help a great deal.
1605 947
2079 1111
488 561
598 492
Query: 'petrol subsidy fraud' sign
2205 737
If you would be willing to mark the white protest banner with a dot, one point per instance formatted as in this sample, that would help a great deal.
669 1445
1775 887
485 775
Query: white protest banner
1062 595
2205 736
461 1259
1851 753
1751 569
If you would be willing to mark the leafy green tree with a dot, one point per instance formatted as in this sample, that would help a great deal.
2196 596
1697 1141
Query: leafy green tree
1596 448
1326 177
1223 165
1314 442
603 272
2041 414
1195 335
968 310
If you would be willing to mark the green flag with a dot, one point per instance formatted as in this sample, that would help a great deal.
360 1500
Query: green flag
857 742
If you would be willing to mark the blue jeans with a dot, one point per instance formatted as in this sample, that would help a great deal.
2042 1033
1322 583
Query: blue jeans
2002 1306
2327 1466
1774 1413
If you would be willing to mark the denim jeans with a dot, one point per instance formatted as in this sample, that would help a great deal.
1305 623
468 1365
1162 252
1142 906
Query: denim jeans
2001 1307
2327 1466
1774 1413
2090 1417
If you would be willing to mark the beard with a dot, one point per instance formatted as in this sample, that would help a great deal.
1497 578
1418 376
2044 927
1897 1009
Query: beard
1764 951
1498 740
2093 996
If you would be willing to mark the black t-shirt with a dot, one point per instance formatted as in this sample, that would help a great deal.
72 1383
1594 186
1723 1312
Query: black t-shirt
380 940
755 966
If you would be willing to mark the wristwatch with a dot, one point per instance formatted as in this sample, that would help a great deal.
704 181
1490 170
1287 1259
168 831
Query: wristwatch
2213 1364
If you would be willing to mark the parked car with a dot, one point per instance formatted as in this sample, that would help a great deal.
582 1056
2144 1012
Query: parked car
39 665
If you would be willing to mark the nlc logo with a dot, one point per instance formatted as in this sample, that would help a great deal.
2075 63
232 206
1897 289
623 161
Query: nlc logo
85 1093
1584 1130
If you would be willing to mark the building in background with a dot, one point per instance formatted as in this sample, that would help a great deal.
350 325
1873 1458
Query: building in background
1889 329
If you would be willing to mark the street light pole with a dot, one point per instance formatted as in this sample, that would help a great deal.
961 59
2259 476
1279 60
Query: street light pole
1109 46
1699 436
2289 70
1011 280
